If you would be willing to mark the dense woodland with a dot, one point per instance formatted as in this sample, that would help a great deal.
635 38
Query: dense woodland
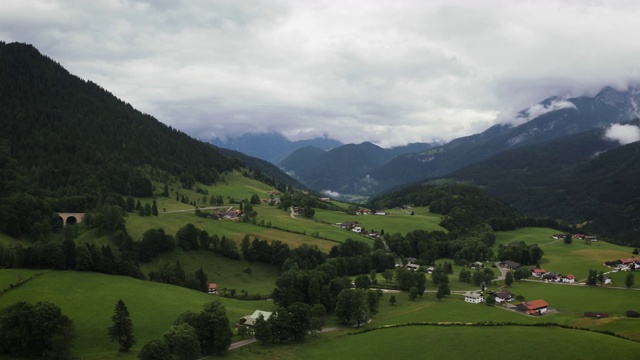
578 178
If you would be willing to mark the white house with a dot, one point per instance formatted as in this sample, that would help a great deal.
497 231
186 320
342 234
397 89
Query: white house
357 229
474 297
414 267
250 320
569 279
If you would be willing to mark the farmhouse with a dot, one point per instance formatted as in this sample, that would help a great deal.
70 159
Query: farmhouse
538 272
534 307
607 280
503 295
474 297
349 225
569 279
250 320
414 267
628 261
381 212
213 289
357 229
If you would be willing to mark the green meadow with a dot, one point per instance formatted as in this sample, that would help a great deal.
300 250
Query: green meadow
89 299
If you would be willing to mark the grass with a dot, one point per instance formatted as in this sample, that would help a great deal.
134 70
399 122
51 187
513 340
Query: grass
479 342
89 299
226 273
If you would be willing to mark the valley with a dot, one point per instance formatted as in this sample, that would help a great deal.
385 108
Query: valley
193 238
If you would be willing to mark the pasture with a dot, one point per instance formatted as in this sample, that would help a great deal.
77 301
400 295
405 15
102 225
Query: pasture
89 299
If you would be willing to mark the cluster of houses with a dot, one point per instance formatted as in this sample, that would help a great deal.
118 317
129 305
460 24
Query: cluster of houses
628 264
533 307
228 215
355 227
363 211
542 274
576 236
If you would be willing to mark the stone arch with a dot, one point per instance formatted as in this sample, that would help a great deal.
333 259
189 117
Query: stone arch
71 218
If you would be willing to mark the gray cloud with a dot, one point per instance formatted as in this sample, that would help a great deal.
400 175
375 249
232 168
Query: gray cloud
389 72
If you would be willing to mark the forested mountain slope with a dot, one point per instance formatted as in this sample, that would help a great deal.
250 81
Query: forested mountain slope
583 177
66 144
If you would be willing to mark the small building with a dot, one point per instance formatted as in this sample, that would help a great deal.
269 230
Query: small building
414 267
535 307
503 296
348 225
607 280
632 314
250 320
357 229
569 279
474 297
381 212
213 289
628 261
538 272
476 265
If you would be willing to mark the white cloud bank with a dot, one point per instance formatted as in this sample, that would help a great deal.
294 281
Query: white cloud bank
386 71
623 133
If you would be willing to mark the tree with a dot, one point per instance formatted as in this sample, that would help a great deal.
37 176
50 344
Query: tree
508 279
592 278
392 300
155 350
262 330
387 274
308 212
568 239
352 305
35 330
154 208
363 282
491 300
628 281
413 293
212 327
183 341
465 275
122 329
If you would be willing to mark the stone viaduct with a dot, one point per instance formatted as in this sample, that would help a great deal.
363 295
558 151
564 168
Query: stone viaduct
71 218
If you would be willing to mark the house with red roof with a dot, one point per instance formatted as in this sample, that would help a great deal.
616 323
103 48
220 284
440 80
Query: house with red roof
569 279
213 289
538 272
534 307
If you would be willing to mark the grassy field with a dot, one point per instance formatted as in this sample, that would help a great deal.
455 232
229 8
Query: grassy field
89 299
226 273
482 343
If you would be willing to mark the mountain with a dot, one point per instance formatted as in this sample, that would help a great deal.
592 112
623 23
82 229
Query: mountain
68 145
575 178
272 147
341 169
553 118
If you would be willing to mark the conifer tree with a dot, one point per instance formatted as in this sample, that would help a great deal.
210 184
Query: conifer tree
122 329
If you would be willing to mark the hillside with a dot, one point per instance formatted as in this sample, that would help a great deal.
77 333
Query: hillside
67 144
576 178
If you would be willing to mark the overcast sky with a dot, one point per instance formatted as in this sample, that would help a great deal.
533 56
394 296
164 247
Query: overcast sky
389 72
